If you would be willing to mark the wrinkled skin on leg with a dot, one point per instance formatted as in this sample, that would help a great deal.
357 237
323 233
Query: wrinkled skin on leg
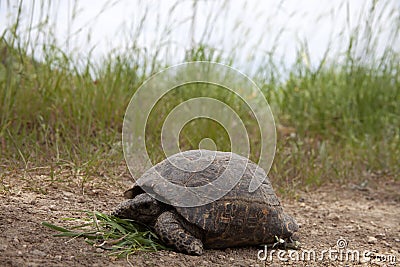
170 229
169 226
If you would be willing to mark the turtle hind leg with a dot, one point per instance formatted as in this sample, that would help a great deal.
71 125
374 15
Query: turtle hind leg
171 231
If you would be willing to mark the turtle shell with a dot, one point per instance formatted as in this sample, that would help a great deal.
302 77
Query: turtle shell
240 217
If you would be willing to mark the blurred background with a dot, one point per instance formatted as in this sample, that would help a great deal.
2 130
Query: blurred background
329 70
246 31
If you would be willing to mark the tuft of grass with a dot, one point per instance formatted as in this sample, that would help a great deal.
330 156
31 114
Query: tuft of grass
58 107
121 237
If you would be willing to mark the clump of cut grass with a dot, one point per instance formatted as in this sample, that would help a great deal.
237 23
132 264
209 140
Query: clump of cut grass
121 237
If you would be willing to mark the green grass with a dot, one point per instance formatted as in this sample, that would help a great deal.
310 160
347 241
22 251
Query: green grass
347 123
118 236
345 113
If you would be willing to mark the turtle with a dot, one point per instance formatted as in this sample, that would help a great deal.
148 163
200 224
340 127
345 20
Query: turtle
241 217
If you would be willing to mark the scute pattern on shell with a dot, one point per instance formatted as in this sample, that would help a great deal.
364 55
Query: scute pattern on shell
238 218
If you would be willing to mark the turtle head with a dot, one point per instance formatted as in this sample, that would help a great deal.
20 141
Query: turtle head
143 208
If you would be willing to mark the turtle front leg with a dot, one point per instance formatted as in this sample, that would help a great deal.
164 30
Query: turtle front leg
171 231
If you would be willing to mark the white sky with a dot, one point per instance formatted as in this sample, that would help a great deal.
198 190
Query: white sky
248 28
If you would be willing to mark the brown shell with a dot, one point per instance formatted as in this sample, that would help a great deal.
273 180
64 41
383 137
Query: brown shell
240 217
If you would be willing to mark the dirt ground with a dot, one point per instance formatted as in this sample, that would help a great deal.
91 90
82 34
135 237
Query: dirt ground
356 218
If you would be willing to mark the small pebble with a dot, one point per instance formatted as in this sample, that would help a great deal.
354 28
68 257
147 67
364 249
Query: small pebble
45 208
38 253
372 240
380 236
334 217
68 194
99 250
241 264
